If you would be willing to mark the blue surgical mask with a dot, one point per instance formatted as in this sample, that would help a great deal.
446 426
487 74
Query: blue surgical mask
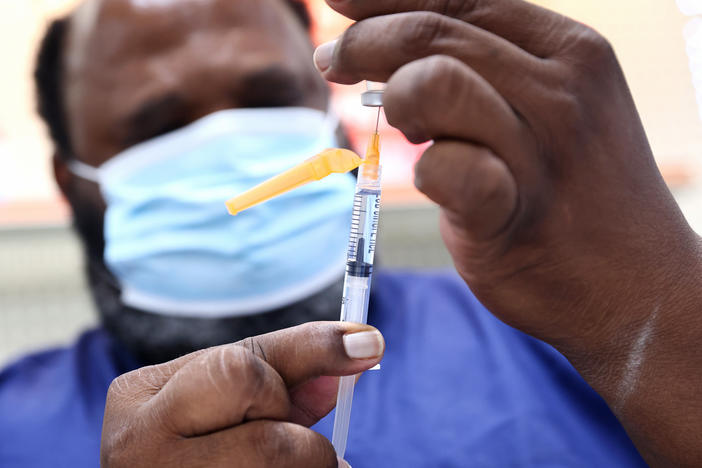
170 241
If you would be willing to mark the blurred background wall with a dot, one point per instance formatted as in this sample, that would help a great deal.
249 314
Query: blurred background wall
42 293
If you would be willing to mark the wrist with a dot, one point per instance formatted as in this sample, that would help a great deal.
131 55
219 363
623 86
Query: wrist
646 365
660 308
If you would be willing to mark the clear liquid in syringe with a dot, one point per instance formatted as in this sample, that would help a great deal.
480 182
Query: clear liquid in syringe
359 266
364 231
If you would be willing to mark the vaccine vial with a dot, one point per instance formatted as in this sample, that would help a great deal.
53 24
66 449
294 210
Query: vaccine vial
373 96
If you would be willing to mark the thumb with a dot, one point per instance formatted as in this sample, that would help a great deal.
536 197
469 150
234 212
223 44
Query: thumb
310 357
314 349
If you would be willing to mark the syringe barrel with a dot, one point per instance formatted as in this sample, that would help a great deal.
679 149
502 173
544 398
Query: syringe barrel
356 297
342 416
357 282
364 229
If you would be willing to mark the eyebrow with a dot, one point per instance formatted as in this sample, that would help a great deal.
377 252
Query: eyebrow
154 117
273 86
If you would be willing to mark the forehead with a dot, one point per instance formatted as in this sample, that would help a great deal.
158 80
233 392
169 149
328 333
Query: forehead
121 53
109 33
109 30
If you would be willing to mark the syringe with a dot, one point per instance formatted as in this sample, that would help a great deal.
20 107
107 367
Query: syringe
364 228
359 268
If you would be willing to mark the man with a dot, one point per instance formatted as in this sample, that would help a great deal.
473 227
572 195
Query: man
553 210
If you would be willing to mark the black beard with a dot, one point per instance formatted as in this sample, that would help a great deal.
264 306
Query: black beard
154 338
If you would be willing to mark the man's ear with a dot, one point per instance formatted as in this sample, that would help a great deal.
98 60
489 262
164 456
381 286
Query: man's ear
62 175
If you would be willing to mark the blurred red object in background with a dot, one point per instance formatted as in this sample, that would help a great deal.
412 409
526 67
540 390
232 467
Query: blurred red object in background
397 154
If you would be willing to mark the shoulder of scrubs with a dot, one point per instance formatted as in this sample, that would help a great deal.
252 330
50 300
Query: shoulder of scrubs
459 388
52 403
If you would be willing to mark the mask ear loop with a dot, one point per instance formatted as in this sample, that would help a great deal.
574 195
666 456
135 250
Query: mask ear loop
84 171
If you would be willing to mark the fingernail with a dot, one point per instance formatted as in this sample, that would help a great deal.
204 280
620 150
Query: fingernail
343 463
364 345
323 55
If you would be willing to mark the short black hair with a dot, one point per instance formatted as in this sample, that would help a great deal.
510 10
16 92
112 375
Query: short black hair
49 75
300 9
49 79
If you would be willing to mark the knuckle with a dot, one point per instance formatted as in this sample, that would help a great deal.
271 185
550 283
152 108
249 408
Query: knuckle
424 93
441 67
140 384
116 393
566 107
115 390
129 387
278 443
469 11
113 453
590 60
241 366
594 43
591 52
275 442
127 447
438 82
488 181
415 88
448 81
419 31
252 345
256 348
127 420
120 441
419 83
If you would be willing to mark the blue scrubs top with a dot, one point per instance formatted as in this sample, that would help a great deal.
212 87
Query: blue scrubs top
457 388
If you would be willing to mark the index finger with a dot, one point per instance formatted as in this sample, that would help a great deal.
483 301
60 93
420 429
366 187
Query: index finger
524 24
226 385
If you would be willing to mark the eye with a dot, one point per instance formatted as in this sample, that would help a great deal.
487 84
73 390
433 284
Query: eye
271 87
154 118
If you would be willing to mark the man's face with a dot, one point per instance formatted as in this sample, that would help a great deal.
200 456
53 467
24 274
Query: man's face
140 68
136 69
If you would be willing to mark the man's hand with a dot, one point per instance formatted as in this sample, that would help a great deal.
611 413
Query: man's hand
245 404
552 206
